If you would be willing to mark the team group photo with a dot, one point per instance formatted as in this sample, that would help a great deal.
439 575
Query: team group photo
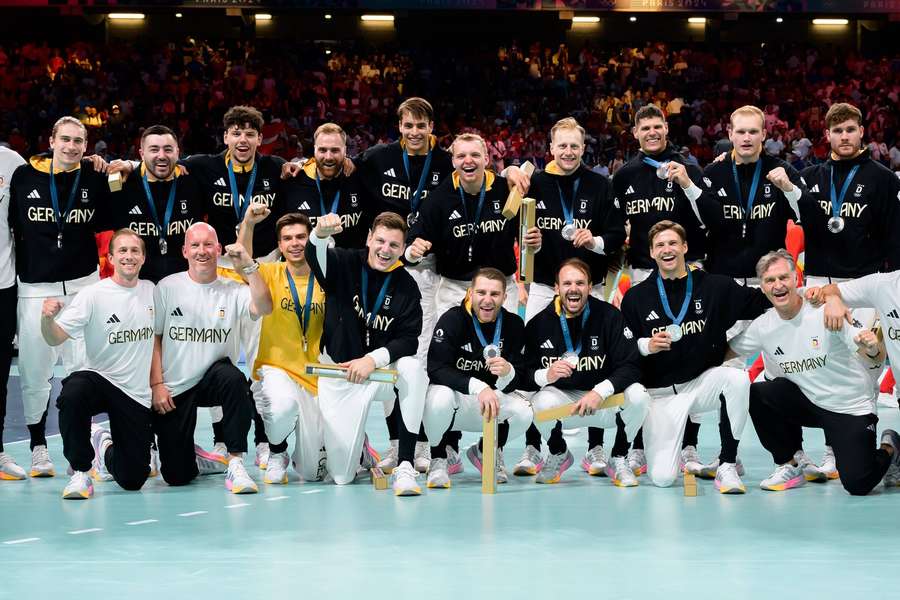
303 292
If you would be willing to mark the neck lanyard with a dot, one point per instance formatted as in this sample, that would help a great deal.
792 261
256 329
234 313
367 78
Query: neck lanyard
417 195
492 349
303 315
836 222
568 211
473 225
564 324
54 199
163 227
754 184
240 208
379 300
334 203
664 299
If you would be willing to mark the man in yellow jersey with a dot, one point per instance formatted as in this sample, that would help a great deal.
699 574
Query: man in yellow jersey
286 397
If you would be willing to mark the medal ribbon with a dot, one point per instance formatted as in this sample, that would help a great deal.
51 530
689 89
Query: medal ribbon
480 334
569 210
754 185
415 200
54 199
838 201
163 227
664 299
303 315
334 203
240 208
563 323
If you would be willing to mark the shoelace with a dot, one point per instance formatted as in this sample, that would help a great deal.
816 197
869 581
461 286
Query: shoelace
40 455
619 464
690 455
5 459
532 454
596 454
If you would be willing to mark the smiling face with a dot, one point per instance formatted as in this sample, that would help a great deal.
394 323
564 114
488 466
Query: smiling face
330 151
567 148
292 240
845 138
242 142
779 284
487 297
651 134
159 153
385 247
416 132
201 249
127 256
470 161
668 250
68 145
573 286
747 134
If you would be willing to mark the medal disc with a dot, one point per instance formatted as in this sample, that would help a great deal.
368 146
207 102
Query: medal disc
568 231
163 246
571 358
674 332
662 171
412 218
836 224
491 351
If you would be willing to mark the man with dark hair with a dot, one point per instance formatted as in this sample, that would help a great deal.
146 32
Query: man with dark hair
580 352
475 362
680 318
159 203
56 205
114 317
373 318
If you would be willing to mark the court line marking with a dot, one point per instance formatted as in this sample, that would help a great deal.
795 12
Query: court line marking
237 505
274 498
192 514
312 492
80 531
21 541
144 522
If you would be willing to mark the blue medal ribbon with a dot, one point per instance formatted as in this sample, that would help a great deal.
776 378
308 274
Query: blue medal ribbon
240 208
653 163
303 315
54 200
163 227
838 201
481 339
368 316
417 195
334 203
754 184
473 224
564 324
664 299
569 210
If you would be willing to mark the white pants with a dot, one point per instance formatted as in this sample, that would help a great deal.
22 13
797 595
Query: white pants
444 406
37 358
633 411
451 292
427 280
671 406
344 407
286 406
540 295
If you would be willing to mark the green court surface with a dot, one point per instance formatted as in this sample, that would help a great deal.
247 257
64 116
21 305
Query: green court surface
581 538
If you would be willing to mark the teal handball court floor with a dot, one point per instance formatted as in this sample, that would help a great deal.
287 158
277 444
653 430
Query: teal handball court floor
582 538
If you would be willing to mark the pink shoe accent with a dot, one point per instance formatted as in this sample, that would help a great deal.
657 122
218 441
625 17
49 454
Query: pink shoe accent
211 456
792 483
456 468
372 451
585 465
565 466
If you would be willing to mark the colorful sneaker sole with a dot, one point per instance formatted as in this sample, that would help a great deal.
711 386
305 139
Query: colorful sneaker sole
730 490
781 487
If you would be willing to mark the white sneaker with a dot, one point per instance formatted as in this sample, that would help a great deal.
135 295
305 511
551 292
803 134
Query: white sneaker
403 480
728 481
502 475
690 460
438 475
237 481
530 463
9 470
422 456
637 462
829 464
80 486
100 440
210 463
595 461
709 470
262 456
276 468
554 467
41 465
811 471
892 477
620 473
476 458
388 460
154 462
454 461
785 477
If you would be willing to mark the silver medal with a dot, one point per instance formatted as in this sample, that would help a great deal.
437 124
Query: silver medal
412 218
836 224
490 351
163 246
662 171
674 332
571 358
568 232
